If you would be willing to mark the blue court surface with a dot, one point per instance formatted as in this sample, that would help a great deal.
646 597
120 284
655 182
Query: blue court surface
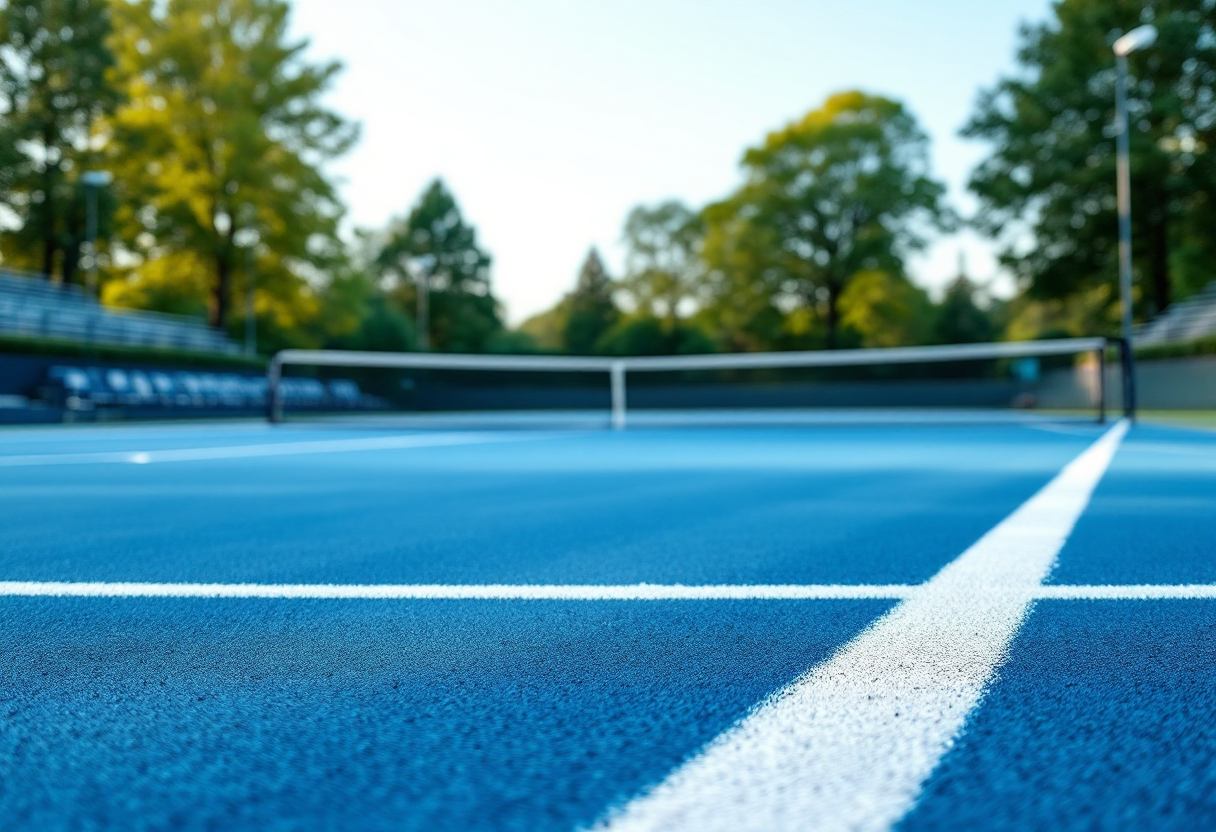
235 626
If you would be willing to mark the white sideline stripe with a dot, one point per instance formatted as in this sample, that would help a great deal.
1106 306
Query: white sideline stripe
1127 592
540 592
569 592
848 745
318 446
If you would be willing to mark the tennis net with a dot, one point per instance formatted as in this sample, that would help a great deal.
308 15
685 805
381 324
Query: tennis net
1052 379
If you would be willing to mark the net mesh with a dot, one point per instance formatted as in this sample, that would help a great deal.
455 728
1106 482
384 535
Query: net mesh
1026 380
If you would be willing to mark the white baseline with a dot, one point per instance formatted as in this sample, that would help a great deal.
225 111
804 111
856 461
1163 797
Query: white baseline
318 446
569 592
848 745
486 592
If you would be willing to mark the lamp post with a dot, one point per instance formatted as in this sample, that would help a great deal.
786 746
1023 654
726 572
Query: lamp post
1138 38
93 181
251 331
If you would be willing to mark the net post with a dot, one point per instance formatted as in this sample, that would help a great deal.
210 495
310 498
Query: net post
1127 365
274 390
1101 365
616 372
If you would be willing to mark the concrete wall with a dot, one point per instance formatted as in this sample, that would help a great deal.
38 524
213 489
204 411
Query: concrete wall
1162 384
1177 383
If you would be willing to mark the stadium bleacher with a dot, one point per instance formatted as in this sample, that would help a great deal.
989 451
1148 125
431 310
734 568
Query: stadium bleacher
77 389
1187 320
33 307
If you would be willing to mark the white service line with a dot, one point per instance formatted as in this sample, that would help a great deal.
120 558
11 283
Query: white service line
510 592
848 745
1127 592
318 446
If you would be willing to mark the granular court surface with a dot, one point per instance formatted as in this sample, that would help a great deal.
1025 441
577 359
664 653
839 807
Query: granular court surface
235 626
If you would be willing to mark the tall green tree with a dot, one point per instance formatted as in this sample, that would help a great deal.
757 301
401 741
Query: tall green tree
884 310
590 309
844 190
1048 187
442 273
53 91
358 315
547 329
222 133
664 269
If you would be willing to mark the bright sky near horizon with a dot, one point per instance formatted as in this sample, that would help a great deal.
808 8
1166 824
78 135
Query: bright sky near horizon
550 119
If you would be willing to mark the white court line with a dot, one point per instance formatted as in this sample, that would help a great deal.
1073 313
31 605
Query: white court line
511 592
1127 592
569 592
848 745
318 446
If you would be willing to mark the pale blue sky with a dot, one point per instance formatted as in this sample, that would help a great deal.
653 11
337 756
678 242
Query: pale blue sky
550 119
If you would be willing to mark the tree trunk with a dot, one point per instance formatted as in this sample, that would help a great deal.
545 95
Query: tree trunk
223 288
71 260
833 316
48 254
48 218
422 323
222 299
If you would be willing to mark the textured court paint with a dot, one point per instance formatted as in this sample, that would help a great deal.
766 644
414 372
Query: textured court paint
241 714
848 745
252 451
218 714
568 592
1102 719
812 506
484 592
1153 518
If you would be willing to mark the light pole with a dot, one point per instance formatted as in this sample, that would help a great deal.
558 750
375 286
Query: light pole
93 181
1138 38
251 331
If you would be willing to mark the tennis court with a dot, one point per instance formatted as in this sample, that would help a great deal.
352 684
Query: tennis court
229 626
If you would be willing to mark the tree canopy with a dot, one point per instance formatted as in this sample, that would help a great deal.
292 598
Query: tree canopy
213 121
663 258
222 131
1048 187
54 59
844 190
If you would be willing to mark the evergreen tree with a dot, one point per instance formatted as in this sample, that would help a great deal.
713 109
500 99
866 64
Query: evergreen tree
443 274
53 90
590 311
959 318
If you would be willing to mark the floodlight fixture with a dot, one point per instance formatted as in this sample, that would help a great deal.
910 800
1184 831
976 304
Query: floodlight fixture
96 178
1138 38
